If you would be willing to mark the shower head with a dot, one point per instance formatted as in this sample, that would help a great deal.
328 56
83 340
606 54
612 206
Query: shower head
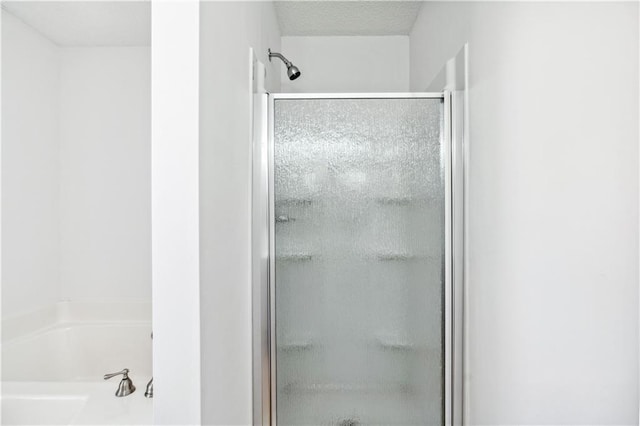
292 71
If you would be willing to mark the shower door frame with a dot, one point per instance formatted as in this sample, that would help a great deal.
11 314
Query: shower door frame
454 174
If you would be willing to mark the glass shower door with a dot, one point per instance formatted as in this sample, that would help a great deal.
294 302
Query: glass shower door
359 243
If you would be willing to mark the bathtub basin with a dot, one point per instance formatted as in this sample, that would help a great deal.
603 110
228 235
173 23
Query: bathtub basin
53 362
78 342
79 351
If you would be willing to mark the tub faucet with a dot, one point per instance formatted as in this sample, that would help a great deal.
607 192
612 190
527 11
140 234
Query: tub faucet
148 393
126 385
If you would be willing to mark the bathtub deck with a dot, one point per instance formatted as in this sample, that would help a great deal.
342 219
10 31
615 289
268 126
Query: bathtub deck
90 403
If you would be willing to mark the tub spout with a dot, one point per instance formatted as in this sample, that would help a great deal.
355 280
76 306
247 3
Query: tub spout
149 391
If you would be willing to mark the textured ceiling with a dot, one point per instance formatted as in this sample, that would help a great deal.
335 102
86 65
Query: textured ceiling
87 23
356 17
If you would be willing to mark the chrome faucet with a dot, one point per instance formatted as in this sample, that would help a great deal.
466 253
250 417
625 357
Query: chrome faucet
126 385
148 393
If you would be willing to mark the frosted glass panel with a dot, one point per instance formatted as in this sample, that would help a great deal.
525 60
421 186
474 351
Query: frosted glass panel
359 247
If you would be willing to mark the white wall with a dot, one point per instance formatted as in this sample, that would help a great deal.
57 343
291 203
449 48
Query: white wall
228 29
105 173
30 141
347 64
76 171
552 307
175 205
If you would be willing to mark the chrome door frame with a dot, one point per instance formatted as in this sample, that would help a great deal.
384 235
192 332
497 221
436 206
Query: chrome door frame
454 174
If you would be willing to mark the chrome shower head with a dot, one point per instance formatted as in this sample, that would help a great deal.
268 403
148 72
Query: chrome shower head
292 71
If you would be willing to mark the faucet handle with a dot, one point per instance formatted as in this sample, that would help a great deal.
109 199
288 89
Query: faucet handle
126 386
124 372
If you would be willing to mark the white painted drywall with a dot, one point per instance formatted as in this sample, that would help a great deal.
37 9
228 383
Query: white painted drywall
30 199
552 307
105 173
228 29
76 187
346 18
347 64
175 207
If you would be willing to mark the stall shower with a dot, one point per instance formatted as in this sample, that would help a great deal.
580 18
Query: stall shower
361 259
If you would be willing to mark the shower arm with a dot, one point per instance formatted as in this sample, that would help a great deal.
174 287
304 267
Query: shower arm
279 55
